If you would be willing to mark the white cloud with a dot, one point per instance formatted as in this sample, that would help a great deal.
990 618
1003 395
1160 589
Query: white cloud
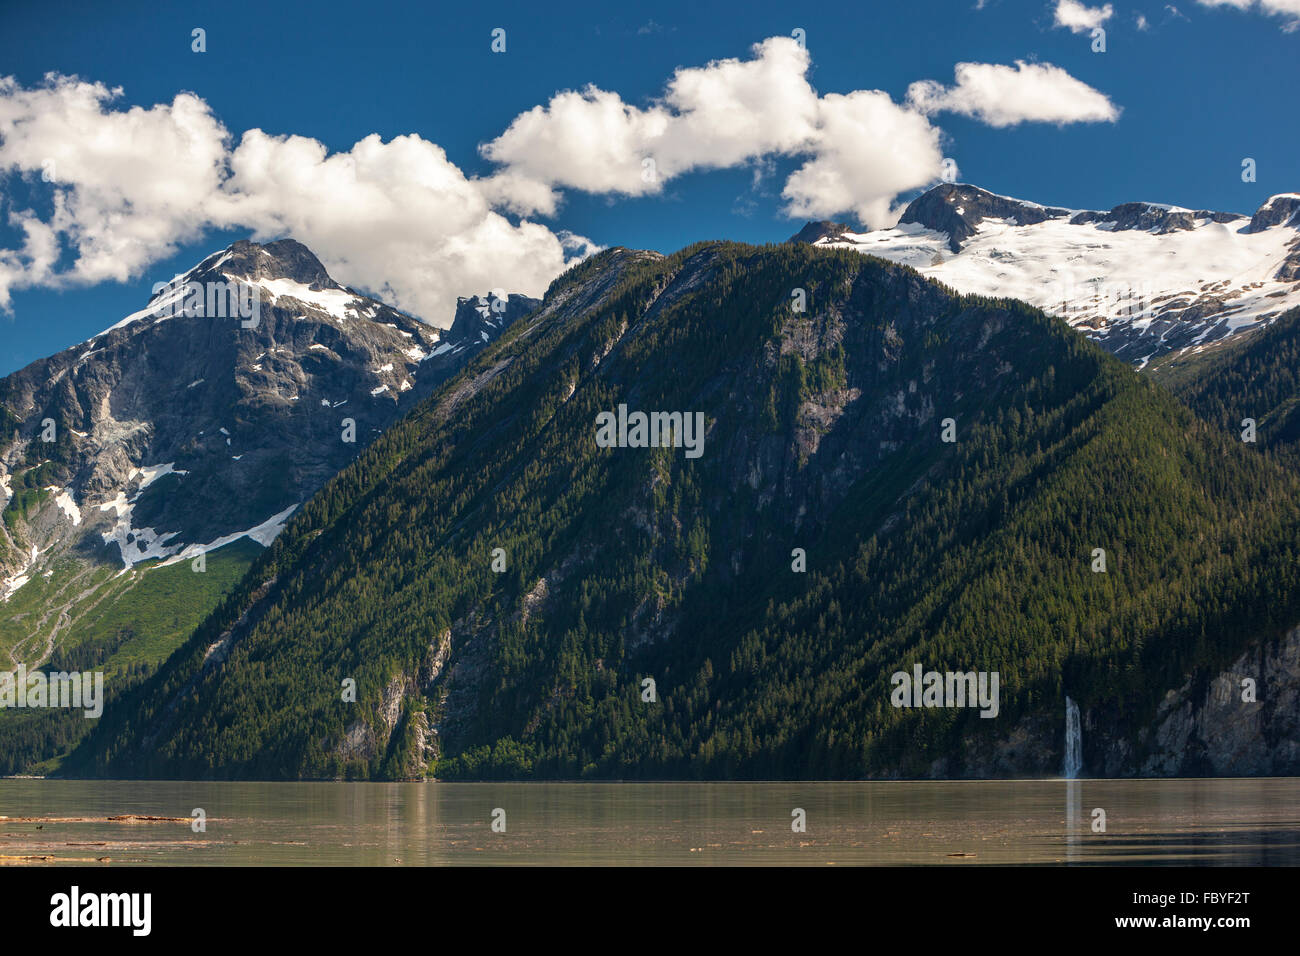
401 220
870 151
1281 8
731 111
125 182
1006 96
724 114
861 149
399 216
1141 22
589 139
32 263
1080 18
129 186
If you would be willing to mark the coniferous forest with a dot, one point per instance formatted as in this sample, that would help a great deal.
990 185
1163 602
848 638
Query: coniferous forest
513 601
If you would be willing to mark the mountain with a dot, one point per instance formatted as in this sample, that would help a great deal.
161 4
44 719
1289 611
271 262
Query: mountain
480 319
1141 280
194 427
1255 376
825 229
517 584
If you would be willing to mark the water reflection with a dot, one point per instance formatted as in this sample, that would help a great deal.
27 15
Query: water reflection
957 823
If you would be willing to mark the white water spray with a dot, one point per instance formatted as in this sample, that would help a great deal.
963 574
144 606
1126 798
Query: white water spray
1073 741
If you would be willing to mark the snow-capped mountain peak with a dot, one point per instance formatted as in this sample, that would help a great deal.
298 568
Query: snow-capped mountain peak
238 281
182 428
1142 278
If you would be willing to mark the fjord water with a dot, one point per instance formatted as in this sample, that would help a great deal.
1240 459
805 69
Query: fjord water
955 823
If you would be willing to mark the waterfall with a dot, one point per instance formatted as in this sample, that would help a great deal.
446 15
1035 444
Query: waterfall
1073 741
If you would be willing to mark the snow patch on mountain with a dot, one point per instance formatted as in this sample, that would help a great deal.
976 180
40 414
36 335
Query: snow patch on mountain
68 506
135 544
10 585
148 474
1142 279
264 534
150 389
335 302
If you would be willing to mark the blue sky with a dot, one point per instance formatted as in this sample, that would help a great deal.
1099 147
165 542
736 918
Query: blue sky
1196 92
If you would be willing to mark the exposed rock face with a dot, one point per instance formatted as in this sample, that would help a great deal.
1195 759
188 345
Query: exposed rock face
1205 727
1280 210
358 742
825 229
958 209
1152 217
185 424
284 259
1211 730
1289 270
481 318
370 736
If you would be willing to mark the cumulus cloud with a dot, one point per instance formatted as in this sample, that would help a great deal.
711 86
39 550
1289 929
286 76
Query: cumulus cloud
1080 18
870 151
1290 9
861 150
31 264
1006 96
124 182
591 140
399 215
128 187
724 114
400 219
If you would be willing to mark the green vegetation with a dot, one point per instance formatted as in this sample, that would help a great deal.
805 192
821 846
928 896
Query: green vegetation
29 492
126 628
1255 375
823 435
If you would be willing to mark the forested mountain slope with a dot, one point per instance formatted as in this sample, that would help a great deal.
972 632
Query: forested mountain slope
823 444
1253 376
143 470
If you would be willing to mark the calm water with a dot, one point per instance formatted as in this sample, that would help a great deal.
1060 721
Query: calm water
943 823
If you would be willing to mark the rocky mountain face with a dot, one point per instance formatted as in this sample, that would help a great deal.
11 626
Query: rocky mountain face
209 416
1142 280
825 229
482 318
1243 722
1242 719
958 212
889 477
1252 380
